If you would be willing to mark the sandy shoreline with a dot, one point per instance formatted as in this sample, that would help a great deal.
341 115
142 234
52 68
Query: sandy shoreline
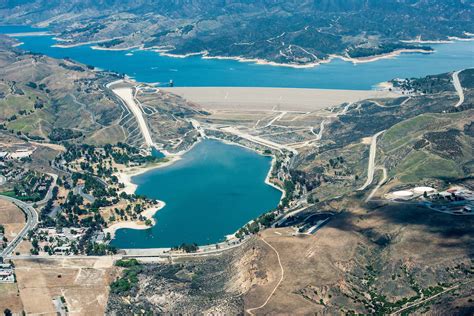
126 176
165 51
258 61
462 39
373 58
148 214
95 47
79 44
23 34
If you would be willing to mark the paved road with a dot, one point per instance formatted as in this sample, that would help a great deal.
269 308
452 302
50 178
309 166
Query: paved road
80 190
31 222
371 166
165 252
259 140
62 257
458 87
49 194
287 215
381 182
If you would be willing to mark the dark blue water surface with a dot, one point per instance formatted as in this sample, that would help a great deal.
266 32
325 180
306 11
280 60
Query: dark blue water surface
149 66
211 192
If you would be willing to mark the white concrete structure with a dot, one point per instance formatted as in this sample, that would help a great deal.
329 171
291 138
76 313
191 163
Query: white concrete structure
458 87
404 194
422 190
126 94
286 99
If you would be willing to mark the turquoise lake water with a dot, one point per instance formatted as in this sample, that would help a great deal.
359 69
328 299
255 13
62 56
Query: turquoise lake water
216 188
211 192
149 66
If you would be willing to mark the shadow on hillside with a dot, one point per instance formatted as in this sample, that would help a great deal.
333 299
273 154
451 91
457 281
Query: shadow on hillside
385 221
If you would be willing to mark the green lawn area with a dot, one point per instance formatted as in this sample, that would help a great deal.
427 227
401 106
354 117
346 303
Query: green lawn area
11 194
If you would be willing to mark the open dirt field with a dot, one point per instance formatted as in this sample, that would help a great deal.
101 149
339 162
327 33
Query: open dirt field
306 262
12 218
10 298
283 99
83 282
326 272
23 248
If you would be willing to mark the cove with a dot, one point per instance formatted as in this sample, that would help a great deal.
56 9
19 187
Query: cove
149 66
211 192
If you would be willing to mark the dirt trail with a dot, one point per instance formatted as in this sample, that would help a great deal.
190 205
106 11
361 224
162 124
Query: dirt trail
251 310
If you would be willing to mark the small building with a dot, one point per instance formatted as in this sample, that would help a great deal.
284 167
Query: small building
7 274
422 190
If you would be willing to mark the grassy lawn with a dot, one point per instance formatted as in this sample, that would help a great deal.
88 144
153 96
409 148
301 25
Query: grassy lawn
21 198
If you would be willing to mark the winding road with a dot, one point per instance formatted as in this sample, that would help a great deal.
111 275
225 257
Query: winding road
371 166
458 87
31 215
31 222
49 194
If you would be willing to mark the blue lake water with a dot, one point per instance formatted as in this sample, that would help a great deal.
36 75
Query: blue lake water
149 66
217 188
211 192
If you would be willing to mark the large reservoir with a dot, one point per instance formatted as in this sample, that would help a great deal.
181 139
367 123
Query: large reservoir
211 192
149 66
